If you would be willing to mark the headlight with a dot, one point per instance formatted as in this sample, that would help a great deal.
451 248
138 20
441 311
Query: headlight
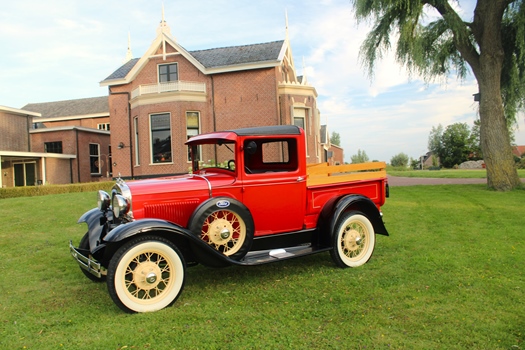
104 200
120 205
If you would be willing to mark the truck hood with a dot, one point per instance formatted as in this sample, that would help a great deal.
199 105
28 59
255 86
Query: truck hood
181 183
174 198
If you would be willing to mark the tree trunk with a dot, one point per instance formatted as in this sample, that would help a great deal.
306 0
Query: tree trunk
502 174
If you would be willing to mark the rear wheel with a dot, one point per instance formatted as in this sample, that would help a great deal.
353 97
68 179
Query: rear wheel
353 240
146 274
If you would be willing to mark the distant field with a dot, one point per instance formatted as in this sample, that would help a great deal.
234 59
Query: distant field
447 173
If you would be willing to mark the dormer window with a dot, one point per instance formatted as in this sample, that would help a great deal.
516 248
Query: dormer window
168 72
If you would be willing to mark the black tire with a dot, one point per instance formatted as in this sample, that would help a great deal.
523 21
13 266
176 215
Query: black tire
146 274
84 244
225 224
353 240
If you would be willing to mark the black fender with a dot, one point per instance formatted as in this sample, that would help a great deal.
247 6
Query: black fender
363 204
175 233
96 222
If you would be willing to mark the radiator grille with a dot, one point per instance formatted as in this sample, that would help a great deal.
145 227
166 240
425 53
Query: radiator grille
177 212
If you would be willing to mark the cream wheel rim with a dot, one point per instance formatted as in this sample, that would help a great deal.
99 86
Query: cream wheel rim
225 231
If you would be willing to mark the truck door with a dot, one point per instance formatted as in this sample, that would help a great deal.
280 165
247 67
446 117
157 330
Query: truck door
274 188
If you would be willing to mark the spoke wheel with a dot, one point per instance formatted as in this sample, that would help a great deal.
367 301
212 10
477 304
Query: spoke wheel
353 240
146 274
225 231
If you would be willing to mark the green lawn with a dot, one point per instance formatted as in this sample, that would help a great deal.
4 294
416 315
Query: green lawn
450 276
447 173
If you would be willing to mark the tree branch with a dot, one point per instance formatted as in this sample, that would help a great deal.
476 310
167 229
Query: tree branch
460 31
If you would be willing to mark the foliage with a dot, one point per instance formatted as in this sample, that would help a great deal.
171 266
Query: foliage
435 139
335 139
400 159
412 294
492 46
360 157
455 145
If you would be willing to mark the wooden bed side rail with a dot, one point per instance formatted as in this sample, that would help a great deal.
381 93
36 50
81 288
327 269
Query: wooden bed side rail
323 169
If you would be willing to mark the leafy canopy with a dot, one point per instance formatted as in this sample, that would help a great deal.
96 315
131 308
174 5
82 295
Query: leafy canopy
446 45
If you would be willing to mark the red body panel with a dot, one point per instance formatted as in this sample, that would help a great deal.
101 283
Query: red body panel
276 194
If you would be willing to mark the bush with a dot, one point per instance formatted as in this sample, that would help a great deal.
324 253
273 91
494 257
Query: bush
32 191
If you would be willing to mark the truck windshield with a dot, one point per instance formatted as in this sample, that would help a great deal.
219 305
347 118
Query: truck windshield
218 155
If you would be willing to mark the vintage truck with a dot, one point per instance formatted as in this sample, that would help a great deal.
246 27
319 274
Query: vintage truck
249 198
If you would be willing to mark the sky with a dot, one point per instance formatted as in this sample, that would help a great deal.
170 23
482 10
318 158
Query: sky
57 50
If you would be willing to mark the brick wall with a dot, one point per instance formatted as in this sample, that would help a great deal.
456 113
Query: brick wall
14 129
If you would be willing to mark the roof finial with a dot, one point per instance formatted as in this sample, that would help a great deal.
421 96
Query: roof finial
286 22
163 26
304 81
129 54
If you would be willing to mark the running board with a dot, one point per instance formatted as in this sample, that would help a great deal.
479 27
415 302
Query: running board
267 256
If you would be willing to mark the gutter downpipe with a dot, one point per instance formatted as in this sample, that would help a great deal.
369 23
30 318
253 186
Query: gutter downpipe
130 127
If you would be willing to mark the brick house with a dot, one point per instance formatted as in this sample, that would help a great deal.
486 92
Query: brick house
80 127
158 101
20 164
55 143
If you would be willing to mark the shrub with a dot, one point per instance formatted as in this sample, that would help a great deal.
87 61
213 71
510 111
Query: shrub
32 191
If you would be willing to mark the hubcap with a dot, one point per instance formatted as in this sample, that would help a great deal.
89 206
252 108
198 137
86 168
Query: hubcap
151 278
225 233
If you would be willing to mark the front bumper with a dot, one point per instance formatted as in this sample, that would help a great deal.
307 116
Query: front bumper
86 263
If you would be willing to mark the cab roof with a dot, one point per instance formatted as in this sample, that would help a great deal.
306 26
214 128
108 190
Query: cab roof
232 135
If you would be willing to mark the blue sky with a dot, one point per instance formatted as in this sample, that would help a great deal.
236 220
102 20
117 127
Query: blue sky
61 49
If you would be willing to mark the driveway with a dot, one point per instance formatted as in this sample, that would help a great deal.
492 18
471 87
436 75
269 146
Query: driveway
411 181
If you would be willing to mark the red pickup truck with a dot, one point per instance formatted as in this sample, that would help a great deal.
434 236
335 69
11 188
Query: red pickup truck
249 198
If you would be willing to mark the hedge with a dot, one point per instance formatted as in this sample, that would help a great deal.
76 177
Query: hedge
32 191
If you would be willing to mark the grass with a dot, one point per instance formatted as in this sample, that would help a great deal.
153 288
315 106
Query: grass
450 276
447 173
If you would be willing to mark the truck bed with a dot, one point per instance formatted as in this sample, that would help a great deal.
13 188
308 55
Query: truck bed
324 174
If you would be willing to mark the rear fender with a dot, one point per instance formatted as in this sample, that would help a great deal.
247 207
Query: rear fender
175 233
363 204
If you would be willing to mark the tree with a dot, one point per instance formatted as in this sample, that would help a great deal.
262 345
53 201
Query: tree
492 45
435 138
335 139
400 160
360 157
455 145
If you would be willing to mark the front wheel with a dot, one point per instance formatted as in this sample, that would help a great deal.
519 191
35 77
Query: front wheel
353 240
146 274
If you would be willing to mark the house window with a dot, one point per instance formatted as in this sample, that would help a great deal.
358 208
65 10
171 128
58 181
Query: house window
160 137
53 147
299 119
168 72
103 126
94 158
192 129
137 148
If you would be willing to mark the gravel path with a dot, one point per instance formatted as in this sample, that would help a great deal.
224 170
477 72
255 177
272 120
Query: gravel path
411 181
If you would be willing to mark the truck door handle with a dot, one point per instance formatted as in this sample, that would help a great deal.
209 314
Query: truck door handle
300 178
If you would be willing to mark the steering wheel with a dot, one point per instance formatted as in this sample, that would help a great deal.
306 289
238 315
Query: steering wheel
231 164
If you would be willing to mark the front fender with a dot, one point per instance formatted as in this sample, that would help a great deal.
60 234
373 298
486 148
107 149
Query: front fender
96 223
363 204
172 232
